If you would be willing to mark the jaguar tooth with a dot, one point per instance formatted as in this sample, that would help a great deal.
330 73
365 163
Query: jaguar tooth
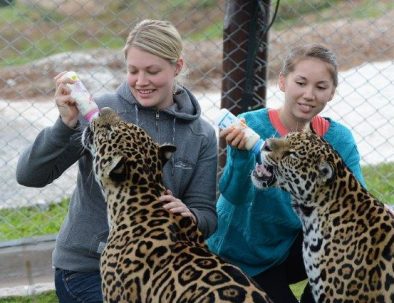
262 170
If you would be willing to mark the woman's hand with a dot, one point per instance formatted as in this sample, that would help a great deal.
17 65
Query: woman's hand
65 103
234 136
175 205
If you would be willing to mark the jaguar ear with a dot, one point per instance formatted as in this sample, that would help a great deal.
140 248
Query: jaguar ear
165 152
327 172
117 169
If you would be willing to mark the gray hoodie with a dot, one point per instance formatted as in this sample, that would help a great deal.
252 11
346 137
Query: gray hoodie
190 175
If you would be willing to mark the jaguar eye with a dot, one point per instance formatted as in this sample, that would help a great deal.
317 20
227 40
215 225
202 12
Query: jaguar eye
289 153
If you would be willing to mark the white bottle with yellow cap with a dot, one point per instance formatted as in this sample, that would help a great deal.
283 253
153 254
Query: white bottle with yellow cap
253 141
85 103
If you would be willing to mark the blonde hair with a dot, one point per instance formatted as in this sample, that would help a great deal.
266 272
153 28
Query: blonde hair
157 37
317 51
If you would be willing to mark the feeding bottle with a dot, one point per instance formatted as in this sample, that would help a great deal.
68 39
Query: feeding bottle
85 103
253 141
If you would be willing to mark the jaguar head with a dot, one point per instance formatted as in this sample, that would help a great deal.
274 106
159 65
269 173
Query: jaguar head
123 153
299 163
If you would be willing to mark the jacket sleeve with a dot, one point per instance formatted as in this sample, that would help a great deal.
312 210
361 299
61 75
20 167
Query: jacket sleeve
235 184
345 144
352 159
54 150
200 195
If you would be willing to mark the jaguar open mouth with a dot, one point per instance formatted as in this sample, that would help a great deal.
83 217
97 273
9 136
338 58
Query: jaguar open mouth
263 175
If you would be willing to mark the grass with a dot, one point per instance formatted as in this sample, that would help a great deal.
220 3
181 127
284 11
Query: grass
299 12
50 297
26 222
380 181
30 32
36 221
45 297
298 288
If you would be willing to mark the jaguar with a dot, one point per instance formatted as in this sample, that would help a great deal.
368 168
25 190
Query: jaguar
152 255
348 246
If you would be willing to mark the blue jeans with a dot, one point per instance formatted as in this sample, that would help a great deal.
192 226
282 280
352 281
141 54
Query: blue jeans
276 280
78 287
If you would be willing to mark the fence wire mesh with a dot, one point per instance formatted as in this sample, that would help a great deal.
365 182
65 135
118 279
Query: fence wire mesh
39 39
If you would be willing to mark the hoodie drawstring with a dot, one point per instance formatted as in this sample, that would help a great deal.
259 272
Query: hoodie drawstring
173 143
137 122
157 117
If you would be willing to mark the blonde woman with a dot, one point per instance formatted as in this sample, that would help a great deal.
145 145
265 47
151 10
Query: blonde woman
151 98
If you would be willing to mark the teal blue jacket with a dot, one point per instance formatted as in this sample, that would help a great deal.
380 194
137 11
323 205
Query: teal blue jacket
256 228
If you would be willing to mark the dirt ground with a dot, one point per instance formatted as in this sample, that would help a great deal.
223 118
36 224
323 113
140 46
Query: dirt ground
354 42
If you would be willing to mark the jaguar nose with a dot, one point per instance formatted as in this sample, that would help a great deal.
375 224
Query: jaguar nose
266 146
105 110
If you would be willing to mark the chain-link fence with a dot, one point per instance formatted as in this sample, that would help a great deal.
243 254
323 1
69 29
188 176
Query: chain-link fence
39 39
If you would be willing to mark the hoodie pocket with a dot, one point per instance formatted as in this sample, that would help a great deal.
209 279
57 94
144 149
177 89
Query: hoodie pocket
87 236
98 243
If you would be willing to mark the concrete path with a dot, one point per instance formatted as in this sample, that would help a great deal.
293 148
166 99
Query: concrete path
25 266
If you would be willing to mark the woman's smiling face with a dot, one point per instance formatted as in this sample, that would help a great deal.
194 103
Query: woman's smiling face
151 78
307 89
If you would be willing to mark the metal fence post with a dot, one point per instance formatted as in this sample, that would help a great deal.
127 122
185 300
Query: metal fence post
245 43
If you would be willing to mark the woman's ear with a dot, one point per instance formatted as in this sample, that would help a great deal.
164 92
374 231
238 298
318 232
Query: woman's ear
282 82
179 66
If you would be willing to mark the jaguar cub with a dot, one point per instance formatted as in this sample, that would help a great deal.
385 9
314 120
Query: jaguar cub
348 244
151 254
